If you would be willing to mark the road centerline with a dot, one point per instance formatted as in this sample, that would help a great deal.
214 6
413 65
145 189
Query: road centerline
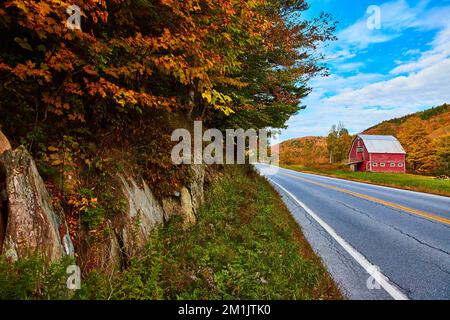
376 200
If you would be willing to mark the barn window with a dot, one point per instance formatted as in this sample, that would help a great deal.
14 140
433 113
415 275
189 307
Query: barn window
360 149
400 164
392 164
382 164
374 164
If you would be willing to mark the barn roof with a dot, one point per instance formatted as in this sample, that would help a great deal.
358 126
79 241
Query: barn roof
381 144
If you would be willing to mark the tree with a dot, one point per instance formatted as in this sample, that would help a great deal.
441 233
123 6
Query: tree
233 62
443 154
308 153
338 143
420 149
276 75
385 128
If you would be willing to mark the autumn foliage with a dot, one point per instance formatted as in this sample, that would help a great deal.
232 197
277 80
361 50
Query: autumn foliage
425 136
203 58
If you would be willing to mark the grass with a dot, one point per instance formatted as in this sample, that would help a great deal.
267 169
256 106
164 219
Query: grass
397 180
246 245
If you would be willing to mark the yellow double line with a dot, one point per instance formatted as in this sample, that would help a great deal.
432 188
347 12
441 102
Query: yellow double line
386 203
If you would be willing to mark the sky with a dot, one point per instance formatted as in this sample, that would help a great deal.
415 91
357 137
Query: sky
399 67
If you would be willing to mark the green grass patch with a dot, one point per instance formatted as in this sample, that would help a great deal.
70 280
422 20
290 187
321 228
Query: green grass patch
246 245
399 180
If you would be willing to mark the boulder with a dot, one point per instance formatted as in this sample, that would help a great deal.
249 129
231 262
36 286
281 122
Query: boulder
213 173
30 222
196 186
143 214
180 206
4 143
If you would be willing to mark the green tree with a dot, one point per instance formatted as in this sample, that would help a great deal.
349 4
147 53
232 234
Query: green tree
308 153
338 143
443 154
277 75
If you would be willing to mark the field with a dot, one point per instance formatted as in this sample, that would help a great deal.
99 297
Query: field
403 181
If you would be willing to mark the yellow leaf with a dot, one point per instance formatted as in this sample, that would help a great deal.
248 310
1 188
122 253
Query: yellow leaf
56 162
207 95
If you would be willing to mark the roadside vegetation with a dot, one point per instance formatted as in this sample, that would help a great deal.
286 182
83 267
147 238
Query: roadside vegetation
239 249
398 180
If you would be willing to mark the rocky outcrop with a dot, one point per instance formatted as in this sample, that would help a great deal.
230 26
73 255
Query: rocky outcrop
143 214
180 205
29 220
187 202
29 223
4 143
4 146
196 186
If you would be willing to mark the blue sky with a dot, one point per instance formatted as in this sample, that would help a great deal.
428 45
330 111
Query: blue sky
378 74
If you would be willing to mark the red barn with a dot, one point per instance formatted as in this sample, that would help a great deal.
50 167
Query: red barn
375 153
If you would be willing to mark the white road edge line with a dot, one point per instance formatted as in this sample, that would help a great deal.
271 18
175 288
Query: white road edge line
384 282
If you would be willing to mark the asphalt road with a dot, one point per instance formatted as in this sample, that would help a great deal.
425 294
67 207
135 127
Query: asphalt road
377 242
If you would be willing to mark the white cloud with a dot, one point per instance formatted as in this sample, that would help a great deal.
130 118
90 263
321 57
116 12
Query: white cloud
427 87
350 66
423 82
440 51
396 16
412 52
334 83
359 36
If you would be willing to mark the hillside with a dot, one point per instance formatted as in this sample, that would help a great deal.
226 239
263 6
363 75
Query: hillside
304 151
436 121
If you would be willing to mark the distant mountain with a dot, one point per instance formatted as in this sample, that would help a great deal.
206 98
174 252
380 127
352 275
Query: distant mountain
435 120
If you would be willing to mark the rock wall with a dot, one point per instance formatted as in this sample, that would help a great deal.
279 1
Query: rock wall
4 143
180 204
30 222
143 213
103 254
130 232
